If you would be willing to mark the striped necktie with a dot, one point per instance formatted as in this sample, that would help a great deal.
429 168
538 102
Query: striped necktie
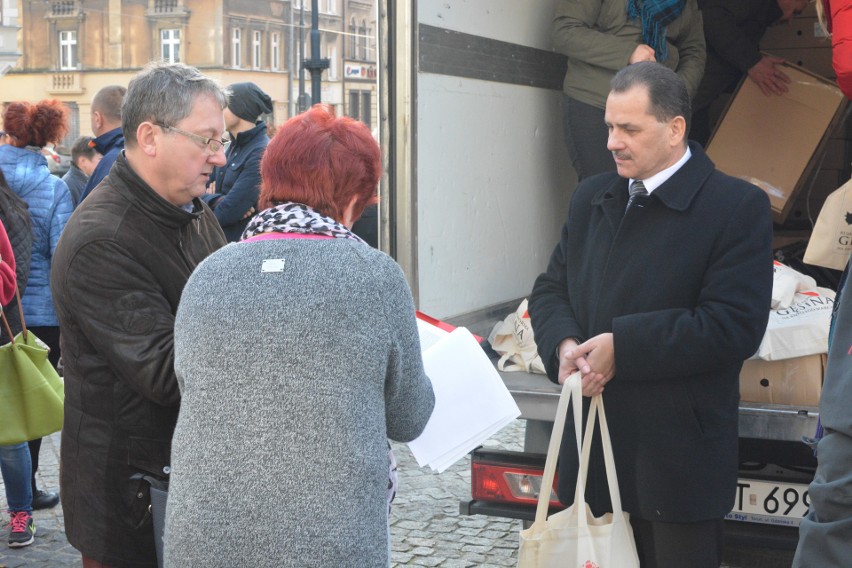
636 188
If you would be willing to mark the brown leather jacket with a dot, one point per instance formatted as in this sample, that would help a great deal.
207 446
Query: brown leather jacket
118 273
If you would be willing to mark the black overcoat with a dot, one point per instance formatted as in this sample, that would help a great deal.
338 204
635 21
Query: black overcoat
684 282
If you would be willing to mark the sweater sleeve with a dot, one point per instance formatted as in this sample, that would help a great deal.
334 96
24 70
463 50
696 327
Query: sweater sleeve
409 398
7 268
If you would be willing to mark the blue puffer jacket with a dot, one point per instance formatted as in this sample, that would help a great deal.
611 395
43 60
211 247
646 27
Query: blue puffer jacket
50 205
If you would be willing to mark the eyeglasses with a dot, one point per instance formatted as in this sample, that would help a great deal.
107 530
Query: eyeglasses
212 143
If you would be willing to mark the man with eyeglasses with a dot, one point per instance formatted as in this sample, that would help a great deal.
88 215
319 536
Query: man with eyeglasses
119 270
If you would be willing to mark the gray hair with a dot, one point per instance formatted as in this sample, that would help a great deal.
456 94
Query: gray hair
165 93
666 90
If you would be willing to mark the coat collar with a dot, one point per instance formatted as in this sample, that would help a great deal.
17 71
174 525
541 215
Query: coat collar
137 191
109 140
246 137
676 193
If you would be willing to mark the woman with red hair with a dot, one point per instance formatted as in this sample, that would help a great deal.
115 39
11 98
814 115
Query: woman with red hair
286 409
29 127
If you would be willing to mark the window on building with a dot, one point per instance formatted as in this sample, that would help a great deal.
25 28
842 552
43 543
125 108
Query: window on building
275 49
332 6
236 48
68 50
354 103
331 53
256 52
353 39
362 39
170 45
366 108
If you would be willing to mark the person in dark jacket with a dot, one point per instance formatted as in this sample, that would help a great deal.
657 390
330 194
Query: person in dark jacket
658 299
121 266
106 126
733 30
234 187
84 160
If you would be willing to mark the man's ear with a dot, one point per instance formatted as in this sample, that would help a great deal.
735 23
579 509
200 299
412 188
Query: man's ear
677 130
148 138
97 120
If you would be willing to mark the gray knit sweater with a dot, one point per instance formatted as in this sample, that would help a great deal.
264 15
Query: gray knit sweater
293 375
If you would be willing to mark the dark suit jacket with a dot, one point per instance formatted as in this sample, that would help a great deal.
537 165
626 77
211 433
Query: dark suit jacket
684 282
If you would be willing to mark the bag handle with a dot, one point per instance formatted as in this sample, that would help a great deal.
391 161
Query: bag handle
23 322
597 411
571 391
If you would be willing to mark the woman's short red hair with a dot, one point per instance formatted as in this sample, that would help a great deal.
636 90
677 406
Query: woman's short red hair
35 124
323 161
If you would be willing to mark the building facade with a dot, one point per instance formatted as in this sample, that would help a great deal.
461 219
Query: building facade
70 49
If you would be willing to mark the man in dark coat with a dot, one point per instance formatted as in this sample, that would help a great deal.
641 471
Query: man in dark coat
659 302
119 270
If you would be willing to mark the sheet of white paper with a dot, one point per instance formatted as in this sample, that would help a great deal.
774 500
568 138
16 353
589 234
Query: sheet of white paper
429 334
443 462
470 399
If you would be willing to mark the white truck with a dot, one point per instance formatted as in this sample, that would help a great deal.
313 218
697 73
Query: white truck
477 188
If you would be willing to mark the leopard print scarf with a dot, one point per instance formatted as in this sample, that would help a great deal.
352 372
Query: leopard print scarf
292 217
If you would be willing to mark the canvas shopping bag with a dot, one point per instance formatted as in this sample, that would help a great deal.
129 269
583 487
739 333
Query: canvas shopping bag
573 537
513 340
831 240
31 393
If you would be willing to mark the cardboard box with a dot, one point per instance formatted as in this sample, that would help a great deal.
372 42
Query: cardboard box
800 32
788 381
814 59
776 142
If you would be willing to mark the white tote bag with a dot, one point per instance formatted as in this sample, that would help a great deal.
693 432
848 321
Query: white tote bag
513 339
573 538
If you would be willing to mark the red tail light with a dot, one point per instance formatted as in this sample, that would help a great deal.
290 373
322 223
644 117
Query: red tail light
508 484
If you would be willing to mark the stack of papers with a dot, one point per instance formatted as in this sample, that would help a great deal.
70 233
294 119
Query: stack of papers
471 401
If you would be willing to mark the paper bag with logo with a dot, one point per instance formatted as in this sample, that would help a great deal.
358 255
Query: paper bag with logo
831 239
574 537
513 340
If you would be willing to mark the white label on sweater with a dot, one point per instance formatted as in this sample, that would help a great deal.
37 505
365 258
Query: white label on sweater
272 265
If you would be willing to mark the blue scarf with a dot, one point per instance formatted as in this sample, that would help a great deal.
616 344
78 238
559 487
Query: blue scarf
655 15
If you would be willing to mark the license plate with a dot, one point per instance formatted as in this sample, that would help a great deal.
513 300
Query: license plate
770 502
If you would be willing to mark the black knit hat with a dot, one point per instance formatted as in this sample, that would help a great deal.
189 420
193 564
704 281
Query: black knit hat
248 102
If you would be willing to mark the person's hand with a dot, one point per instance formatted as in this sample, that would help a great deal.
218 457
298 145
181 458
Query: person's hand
567 366
596 361
643 52
249 213
212 187
770 78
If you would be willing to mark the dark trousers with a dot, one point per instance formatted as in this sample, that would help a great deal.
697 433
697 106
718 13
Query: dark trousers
586 138
50 335
678 545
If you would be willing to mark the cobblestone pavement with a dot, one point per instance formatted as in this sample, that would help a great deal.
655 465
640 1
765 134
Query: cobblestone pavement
426 527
